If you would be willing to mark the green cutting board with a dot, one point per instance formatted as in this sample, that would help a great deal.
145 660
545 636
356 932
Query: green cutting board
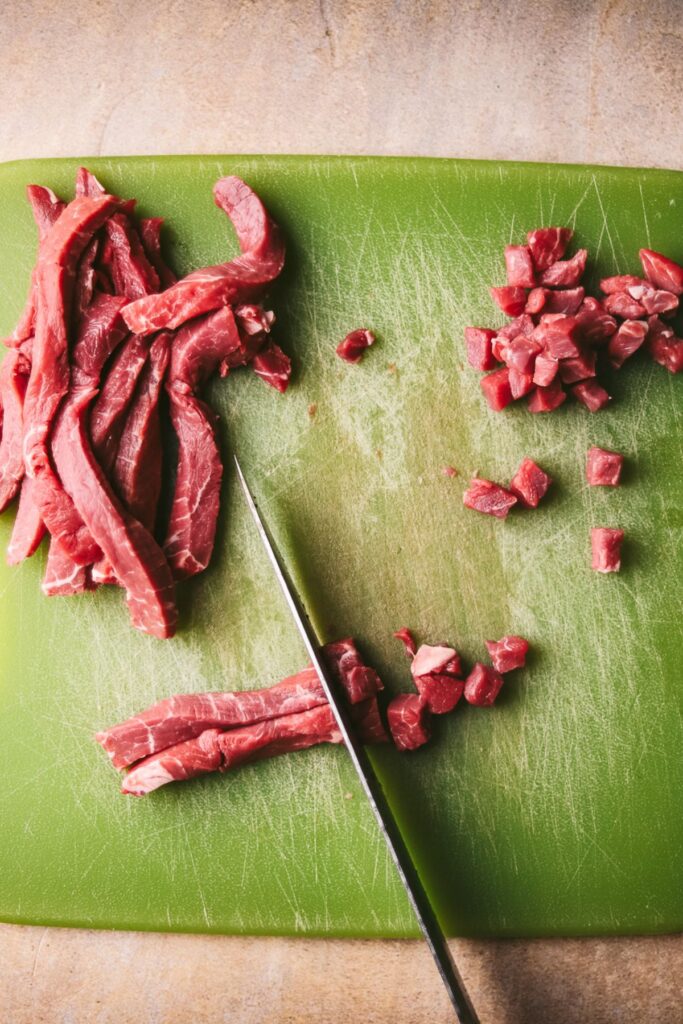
558 812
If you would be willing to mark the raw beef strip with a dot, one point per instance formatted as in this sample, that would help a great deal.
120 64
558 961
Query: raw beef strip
63 577
49 380
566 273
622 305
511 300
482 685
603 467
353 347
29 529
564 300
408 718
85 280
606 549
591 394
110 409
242 279
548 245
346 665
198 349
150 230
508 653
530 484
519 266
478 343
661 271
485 496
14 374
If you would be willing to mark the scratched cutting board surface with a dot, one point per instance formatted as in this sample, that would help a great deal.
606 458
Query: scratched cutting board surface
558 812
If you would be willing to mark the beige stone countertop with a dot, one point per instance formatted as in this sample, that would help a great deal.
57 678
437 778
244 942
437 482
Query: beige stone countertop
582 81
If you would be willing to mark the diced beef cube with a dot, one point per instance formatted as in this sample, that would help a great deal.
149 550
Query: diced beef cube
489 498
565 273
559 335
407 639
346 664
511 300
626 341
661 271
591 394
536 300
408 718
545 370
273 366
508 653
606 549
580 368
596 324
622 305
603 468
496 388
520 269
520 383
530 484
521 353
564 300
482 685
620 283
522 324
548 245
547 399
664 347
353 347
479 352
655 300
435 658
440 692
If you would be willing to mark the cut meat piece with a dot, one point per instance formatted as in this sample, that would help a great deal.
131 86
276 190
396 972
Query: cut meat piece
564 300
520 354
273 366
661 271
545 370
353 346
548 245
565 273
520 383
14 374
627 340
186 760
655 301
496 388
580 368
603 467
519 266
508 653
150 231
439 658
622 305
408 718
606 549
511 300
559 335
63 577
346 665
110 408
536 300
28 530
664 347
436 671
240 280
530 484
489 498
407 639
523 324
596 324
368 721
482 685
478 342
547 399
591 394
85 279
621 283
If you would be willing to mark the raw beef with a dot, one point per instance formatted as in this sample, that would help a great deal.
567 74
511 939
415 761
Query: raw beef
437 671
565 273
110 408
14 374
529 484
408 718
661 271
240 280
606 548
485 496
548 245
28 529
407 639
627 340
547 399
591 394
508 653
482 685
496 388
150 230
346 664
511 300
478 344
519 266
353 346
63 577
603 467
273 366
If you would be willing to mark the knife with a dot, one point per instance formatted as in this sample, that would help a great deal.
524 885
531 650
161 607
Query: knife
427 919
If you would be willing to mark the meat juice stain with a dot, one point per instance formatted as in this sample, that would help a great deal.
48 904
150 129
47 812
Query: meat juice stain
312 410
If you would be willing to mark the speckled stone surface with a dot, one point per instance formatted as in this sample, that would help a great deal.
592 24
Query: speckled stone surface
585 81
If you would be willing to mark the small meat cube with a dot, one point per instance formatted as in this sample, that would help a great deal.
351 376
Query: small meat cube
478 342
482 685
661 271
520 269
408 719
529 484
603 468
521 353
622 305
626 341
655 300
547 399
523 324
548 245
440 692
668 352
520 383
496 388
511 300
436 658
559 335
545 370
508 653
565 273
489 498
596 324
591 394
407 639
580 368
620 283
606 549
564 300
536 300
353 346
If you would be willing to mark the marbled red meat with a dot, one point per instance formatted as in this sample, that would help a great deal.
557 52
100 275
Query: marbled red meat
565 273
622 305
603 467
112 404
661 271
478 344
437 672
548 245
345 663
581 367
530 484
482 685
489 498
664 347
564 300
14 375
545 370
536 300
273 366
63 577
28 529
596 324
627 340
150 232
520 354
559 335
591 394
547 399
352 348
519 266
508 653
496 388
520 383
511 300
408 718
240 280
620 283
606 549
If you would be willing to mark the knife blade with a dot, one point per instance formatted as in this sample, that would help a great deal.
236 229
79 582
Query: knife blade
369 780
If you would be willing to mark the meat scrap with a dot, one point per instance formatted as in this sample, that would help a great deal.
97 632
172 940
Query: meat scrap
483 685
352 348
508 653
489 498
530 484
408 718
603 467
606 548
